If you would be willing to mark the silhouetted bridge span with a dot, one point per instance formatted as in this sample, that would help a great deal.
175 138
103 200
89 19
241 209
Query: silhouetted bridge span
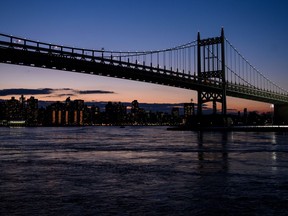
212 67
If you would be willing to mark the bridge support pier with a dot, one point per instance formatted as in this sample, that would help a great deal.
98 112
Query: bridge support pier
211 71
214 106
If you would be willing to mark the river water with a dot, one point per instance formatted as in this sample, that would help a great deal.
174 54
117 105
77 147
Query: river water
142 171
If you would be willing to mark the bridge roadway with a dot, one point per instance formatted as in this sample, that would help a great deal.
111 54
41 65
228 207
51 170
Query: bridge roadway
43 55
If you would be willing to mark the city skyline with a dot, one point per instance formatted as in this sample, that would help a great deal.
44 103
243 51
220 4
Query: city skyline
129 26
151 107
28 112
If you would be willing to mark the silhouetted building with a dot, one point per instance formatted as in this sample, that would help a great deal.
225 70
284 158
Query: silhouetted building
13 110
189 109
139 115
78 112
56 112
68 113
175 116
135 107
95 115
32 111
189 114
3 120
245 116
115 113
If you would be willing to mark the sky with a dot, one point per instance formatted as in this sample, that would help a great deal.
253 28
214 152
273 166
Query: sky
257 28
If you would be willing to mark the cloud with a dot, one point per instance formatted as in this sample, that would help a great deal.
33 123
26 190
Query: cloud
95 92
21 91
66 95
51 92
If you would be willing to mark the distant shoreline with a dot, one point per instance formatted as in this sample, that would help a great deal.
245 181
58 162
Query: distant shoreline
260 128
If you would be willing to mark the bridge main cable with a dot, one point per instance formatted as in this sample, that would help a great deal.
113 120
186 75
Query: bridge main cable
178 58
242 72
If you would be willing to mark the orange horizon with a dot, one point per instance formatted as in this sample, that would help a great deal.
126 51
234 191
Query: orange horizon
120 90
233 104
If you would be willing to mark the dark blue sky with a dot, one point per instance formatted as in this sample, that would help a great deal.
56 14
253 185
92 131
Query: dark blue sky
257 28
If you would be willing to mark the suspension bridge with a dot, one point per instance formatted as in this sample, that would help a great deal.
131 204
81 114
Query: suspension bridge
212 66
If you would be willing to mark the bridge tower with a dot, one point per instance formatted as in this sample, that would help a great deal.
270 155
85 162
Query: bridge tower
211 69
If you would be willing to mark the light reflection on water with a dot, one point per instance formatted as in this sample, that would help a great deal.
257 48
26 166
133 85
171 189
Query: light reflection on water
141 171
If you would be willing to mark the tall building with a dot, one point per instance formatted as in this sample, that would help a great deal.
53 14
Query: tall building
32 111
136 113
56 110
189 109
95 115
135 107
115 112
78 111
13 110
245 116
2 113
68 113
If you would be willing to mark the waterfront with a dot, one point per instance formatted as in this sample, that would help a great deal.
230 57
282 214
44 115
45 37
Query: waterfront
142 171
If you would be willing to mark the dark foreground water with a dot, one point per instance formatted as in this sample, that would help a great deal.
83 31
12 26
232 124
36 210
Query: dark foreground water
142 171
